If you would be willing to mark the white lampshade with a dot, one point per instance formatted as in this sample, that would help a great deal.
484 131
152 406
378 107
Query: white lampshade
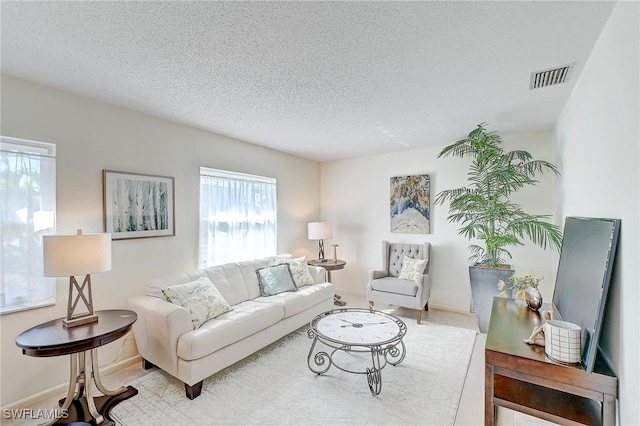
81 254
319 230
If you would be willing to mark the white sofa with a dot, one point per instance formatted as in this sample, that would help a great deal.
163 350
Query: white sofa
166 337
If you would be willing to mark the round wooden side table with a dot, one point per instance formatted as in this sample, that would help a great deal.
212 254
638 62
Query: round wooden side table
81 343
330 265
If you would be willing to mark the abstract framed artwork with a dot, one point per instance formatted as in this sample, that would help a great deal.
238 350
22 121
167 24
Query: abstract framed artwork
138 205
410 204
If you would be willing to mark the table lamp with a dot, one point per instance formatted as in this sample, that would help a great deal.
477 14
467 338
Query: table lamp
71 255
320 231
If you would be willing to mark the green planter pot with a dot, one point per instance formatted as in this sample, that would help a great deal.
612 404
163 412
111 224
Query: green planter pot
484 287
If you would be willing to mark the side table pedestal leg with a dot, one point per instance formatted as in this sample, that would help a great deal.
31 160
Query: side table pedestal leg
88 374
98 380
81 403
71 390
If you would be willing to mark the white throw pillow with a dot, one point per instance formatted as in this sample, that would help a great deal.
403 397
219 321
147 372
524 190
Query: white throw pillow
299 270
200 298
412 268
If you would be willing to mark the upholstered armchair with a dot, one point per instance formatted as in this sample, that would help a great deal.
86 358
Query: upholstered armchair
385 286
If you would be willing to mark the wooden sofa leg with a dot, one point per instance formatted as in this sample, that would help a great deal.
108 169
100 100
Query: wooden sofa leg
370 304
193 391
419 315
146 364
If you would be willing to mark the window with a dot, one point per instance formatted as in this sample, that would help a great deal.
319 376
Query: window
238 217
27 210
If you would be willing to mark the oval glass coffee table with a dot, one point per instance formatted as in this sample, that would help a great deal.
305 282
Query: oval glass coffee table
353 330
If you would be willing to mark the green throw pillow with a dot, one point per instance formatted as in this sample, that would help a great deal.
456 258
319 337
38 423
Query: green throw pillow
200 298
412 268
275 279
299 270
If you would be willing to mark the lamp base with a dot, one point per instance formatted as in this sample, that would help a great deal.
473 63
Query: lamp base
321 250
79 320
73 319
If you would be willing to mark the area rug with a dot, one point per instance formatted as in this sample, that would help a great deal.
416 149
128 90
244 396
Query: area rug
275 387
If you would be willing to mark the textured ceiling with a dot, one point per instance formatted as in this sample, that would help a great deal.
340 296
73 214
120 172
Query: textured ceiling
322 80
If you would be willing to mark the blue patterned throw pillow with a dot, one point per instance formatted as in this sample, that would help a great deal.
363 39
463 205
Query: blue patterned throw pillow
275 280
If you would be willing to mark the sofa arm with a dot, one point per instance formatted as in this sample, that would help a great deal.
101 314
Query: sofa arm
318 273
157 330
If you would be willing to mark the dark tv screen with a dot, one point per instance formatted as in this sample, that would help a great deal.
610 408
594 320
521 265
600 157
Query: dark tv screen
584 273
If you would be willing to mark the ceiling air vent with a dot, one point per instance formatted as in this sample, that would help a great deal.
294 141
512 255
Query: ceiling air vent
550 76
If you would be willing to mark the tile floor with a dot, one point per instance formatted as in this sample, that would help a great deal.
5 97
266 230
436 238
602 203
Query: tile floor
470 410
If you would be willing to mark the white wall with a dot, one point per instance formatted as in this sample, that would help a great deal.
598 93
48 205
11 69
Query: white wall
91 136
598 138
355 196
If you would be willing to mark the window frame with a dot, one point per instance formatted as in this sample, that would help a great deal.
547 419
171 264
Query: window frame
40 150
231 175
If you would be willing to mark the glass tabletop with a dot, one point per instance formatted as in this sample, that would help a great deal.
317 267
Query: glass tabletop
359 327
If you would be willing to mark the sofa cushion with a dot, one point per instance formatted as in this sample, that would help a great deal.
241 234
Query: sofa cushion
228 279
247 318
301 300
299 270
200 298
395 285
154 287
248 271
412 268
275 279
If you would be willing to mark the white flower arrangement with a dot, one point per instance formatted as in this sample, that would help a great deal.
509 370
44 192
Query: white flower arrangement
520 282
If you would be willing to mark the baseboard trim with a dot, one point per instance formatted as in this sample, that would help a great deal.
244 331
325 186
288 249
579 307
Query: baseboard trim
450 309
60 390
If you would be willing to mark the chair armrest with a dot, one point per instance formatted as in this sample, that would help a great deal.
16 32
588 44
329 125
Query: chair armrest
424 287
318 273
374 275
157 330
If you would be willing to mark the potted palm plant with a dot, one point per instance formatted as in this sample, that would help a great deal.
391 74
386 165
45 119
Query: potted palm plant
486 214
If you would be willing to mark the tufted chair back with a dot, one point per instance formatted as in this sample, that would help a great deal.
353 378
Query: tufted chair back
393 254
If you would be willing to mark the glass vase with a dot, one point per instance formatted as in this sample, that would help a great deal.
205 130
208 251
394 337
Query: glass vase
534 299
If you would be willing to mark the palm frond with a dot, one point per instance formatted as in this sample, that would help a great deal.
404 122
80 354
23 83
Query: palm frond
458 149
538 230
483 207
539 166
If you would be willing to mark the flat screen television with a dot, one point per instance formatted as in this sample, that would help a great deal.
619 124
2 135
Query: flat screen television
584 273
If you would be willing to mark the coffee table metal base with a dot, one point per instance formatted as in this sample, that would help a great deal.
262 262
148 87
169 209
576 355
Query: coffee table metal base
320 360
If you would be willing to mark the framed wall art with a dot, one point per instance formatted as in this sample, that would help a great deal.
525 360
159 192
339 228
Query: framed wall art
410 204
138 205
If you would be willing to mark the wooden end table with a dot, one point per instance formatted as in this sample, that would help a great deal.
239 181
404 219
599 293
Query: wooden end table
520 377
330 265
81 343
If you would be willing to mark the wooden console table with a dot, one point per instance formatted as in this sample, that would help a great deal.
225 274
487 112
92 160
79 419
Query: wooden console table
520 377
